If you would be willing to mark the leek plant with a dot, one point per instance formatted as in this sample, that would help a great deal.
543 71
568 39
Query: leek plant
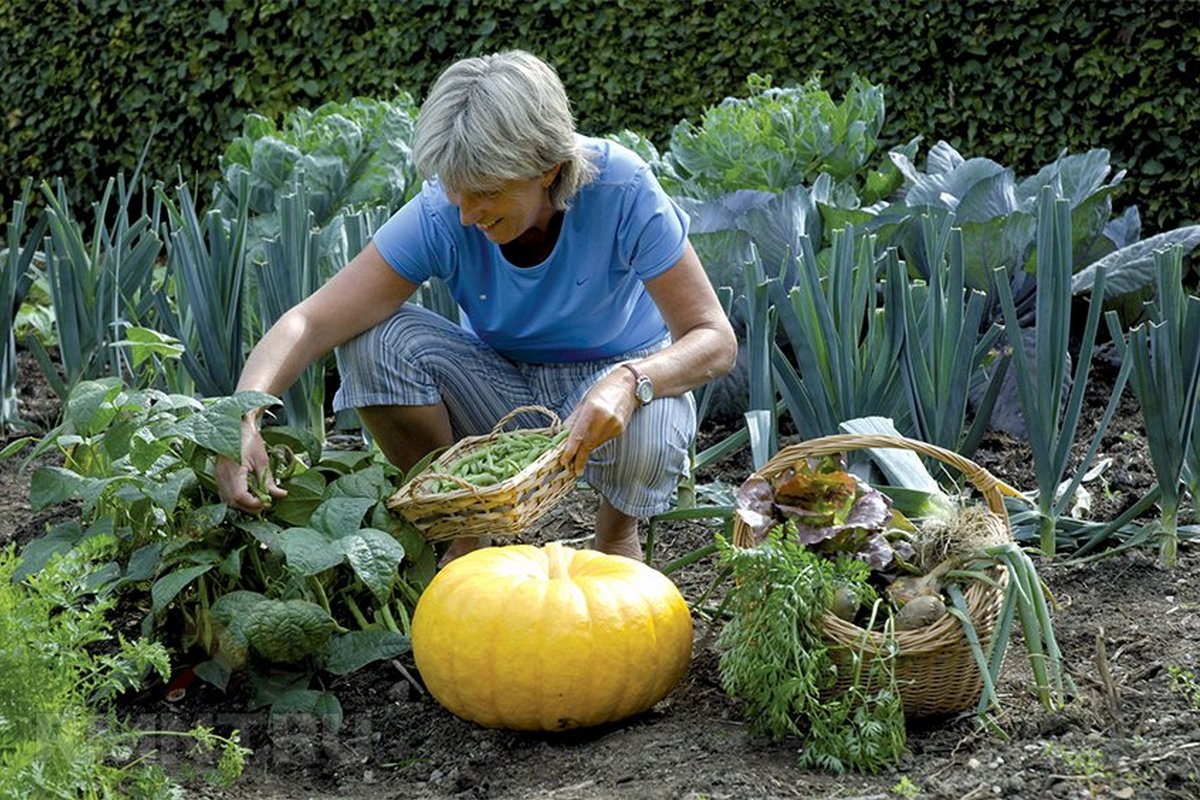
685 495
206 262
15 280
845 347
358 227
1165 354
1051 423
944 348
1025 602
762 423
291 272
97 288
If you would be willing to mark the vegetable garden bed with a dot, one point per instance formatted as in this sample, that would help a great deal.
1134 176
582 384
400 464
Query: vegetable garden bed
1129 631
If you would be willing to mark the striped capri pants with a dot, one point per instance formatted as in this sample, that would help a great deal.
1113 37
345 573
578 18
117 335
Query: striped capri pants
417 357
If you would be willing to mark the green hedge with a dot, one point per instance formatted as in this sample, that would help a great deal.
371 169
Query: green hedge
86 83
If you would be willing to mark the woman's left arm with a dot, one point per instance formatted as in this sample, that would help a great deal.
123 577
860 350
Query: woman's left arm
703 347
703 344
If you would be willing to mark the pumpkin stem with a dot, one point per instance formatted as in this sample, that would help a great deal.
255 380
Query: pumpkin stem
559 559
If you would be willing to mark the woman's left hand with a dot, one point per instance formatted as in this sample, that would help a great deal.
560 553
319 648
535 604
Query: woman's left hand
603 414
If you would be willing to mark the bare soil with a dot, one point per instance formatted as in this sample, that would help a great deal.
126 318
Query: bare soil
1125 627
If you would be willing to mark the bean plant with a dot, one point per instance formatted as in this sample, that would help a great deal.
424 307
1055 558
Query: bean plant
328 559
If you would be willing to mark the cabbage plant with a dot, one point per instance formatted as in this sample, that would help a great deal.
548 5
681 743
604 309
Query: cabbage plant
776 137
998 214
353 155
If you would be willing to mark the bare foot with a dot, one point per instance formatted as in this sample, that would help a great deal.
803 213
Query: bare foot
463 545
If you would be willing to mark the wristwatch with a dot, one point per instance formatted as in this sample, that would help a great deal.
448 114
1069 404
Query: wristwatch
643 390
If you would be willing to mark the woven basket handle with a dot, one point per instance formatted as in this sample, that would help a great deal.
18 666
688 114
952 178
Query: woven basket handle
555 422
992 488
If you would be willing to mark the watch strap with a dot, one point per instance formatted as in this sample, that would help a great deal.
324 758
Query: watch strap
639 380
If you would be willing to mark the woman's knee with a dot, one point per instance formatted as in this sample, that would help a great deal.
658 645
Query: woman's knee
639 470
397 362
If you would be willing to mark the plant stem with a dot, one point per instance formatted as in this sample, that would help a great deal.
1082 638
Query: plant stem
315 582
256 563
386 611
1047 527
690 558
410 594
355 612
685 494
1168 538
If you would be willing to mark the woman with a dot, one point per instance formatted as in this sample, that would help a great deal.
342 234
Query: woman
577 280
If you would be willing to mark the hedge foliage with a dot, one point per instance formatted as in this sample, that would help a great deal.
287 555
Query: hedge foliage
87 83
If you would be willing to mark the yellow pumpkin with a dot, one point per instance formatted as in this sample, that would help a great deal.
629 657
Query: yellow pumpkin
550 638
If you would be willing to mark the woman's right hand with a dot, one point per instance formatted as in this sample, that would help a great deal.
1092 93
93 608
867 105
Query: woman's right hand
233 479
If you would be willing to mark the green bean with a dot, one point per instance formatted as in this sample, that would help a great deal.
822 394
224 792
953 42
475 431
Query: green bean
496 461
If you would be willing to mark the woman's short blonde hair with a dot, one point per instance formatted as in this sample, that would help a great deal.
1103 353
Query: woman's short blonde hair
496 118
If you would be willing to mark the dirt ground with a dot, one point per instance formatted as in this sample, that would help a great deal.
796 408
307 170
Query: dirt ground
1129 632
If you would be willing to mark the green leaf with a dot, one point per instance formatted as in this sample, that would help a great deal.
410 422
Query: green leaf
166 493
142 566
410 539
309 552
286 631
305 493
214 672
146 448
263 530
233 606
168 586
999 242
89 407
217 22
38 552
296 701
329 710
52 486
144 343
216 431
1132 268
341 516
345 461
375 557
352 651
366 483
16 446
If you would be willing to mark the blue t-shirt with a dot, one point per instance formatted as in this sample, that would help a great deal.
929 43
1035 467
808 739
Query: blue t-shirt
587 299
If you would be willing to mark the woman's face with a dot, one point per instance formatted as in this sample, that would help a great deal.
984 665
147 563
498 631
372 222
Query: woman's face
514 208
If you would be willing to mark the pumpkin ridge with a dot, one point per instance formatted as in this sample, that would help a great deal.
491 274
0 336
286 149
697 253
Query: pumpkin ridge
641 692
468 659
602 607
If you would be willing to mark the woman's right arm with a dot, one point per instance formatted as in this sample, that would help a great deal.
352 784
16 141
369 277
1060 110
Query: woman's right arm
362 294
